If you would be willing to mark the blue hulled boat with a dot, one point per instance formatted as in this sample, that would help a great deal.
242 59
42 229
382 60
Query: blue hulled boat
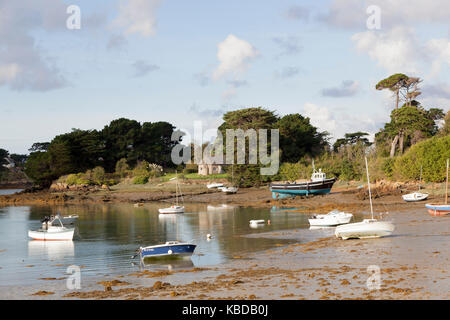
169 250
319 184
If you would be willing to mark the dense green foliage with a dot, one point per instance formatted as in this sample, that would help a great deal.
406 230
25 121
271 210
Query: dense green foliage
430 154
81 150
298 138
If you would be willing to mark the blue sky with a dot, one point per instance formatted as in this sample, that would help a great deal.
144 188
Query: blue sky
181 61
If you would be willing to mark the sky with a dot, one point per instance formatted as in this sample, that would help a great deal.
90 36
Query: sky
186 61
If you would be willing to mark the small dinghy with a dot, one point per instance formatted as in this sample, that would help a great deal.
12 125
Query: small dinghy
415 196
214 185
229 190
440 209
52 233
368 228
332 218
169 250
257 223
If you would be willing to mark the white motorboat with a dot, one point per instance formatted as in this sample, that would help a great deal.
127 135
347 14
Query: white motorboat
229 190
174 208
257 223
332 218
52 233
415 196
214 185
368 228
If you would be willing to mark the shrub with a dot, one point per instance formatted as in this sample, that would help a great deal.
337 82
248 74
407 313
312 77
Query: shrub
431 154
71 179
142 179
122 168
98 175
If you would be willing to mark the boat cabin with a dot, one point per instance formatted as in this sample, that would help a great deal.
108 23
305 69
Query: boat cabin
318 175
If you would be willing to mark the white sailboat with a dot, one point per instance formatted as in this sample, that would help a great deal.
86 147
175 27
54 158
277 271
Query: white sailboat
368 228
176 208
232 189
416 196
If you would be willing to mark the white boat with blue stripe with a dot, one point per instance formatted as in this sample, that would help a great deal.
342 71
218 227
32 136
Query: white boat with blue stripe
169 250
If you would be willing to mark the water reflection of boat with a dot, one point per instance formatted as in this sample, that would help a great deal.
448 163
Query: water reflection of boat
51 249
173 265
218 208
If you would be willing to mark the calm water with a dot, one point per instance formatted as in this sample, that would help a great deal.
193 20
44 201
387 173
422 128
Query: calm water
9 191
106 236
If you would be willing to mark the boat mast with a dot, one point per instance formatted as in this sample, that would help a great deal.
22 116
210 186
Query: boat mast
176 187
368 183
420 176
446 186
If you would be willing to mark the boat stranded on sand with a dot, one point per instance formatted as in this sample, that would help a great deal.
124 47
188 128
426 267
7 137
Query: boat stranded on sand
368 228
416 196
319 184
440 209
332 218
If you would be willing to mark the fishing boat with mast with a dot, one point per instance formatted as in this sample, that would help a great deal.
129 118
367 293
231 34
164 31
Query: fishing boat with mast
416 196
175 208
440 209
319 184
368 228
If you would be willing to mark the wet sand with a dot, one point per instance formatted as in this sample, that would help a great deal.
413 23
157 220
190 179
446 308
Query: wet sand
413 264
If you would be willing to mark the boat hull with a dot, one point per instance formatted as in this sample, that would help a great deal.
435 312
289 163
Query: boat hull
414 197
63 235
173 251
280 191
171 210
366 229
438 209
331 220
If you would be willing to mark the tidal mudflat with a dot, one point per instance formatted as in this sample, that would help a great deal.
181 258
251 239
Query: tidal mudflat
286 262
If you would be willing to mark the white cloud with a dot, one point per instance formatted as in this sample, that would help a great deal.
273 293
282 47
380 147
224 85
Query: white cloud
439 51
8 72
348 88
23 65
352 13
396 50
340 123
320 117
234 55
138 16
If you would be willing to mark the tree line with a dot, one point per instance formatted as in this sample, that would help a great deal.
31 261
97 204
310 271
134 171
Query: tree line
81 150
